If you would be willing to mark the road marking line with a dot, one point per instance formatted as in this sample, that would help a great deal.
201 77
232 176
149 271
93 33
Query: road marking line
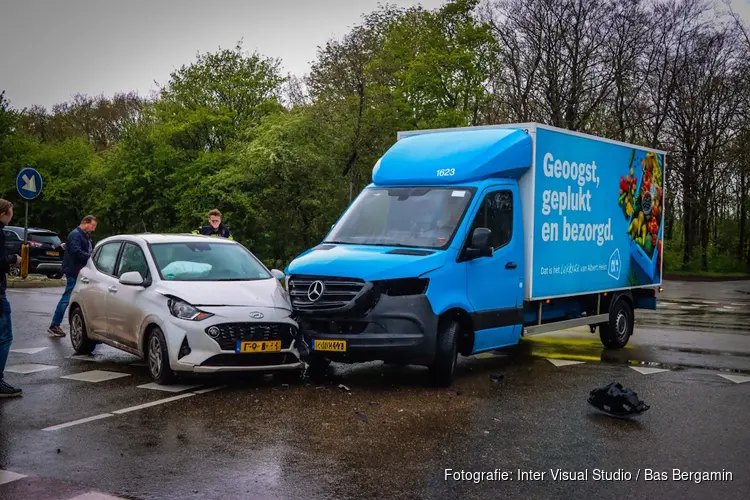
153 403
737 379
28 368
29 350
95 495
168 388
7 476
564 362
210 389
77 422
95 376
648 371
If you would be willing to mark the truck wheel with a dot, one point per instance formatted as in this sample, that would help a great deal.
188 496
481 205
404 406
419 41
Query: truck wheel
616 333
443 368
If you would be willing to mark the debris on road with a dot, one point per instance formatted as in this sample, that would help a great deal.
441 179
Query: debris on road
613 399
343 387
496 377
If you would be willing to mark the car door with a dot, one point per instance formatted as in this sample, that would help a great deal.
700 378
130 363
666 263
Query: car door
95 284
494 284
124 313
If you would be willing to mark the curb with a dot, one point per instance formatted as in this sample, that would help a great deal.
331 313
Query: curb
35 284
688 278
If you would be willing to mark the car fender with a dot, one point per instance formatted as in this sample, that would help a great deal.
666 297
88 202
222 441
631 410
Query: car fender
151 319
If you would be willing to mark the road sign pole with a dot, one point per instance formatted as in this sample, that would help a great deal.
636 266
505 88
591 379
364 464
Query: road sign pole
26 224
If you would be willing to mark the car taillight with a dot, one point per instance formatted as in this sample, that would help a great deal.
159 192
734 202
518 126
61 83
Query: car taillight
34 244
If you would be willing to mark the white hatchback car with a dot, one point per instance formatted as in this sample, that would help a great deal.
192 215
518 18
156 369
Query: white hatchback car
184 303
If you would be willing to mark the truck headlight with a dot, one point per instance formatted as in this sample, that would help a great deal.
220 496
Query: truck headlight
403 286
182 310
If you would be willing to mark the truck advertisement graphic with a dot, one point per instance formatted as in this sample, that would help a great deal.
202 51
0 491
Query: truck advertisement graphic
598 215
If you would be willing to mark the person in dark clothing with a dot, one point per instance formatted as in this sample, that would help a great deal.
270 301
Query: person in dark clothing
215 226
78 249
6 329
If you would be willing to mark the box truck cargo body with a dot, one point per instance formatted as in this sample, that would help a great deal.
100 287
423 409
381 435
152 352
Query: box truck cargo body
469 239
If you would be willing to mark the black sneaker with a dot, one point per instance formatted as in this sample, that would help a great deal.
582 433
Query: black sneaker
8 391
56 331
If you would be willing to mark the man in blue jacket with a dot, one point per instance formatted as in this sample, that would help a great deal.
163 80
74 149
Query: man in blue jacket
78 249
6 330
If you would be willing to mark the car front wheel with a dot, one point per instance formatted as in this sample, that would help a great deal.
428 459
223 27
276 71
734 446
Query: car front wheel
157 358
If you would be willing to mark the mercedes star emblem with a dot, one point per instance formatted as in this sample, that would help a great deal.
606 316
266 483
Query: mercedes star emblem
256 315
315 291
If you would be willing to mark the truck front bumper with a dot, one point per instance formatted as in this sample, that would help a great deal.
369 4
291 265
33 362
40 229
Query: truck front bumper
398 329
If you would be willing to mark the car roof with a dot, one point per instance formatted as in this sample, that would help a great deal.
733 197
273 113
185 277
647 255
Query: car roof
31 229
167 238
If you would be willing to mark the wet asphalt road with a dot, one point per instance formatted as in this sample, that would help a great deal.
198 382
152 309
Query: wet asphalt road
390 436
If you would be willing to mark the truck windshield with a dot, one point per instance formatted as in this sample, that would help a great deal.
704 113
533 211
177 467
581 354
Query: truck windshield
422 217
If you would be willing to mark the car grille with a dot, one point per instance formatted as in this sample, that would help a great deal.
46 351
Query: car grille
231 333
337 292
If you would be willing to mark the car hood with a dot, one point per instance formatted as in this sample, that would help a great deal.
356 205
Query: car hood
369 263
259 293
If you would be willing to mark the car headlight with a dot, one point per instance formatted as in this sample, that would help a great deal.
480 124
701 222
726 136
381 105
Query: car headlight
182 310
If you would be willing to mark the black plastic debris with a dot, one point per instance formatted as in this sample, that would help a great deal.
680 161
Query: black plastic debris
613 399
496 377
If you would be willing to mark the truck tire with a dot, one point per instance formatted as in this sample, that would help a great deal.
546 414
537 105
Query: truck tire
442 371
617 331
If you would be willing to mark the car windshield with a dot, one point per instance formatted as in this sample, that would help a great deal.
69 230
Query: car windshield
207 261
50 238
424 217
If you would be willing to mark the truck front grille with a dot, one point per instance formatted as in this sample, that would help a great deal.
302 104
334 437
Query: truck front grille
336 292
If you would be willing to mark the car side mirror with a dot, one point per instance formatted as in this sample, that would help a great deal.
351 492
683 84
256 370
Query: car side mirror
481 243
133 278
279 275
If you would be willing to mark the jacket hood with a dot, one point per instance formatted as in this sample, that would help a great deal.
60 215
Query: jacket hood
258 293
369 263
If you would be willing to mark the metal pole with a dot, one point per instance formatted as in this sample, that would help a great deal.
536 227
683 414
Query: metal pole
26 224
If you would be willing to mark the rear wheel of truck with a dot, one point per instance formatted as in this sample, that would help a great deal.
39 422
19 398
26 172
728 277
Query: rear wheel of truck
443 368
617 331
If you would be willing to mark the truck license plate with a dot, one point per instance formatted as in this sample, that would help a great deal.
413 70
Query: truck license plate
329 345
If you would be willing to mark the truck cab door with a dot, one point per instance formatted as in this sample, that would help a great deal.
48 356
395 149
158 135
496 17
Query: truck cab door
494 283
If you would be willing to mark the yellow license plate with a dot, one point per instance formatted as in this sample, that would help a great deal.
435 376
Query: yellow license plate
54 254
330 345
260 346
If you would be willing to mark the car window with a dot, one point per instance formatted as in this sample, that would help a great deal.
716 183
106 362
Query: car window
496 214
132 260
106 258
11 236
50 238
207 261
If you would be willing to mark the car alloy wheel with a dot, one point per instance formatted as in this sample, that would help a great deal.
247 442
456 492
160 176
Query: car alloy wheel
76 331
155 356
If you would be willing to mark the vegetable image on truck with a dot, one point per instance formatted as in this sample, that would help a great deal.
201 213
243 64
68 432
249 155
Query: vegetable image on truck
469 239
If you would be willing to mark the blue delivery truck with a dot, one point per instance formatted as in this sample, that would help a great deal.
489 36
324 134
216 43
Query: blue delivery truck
469 239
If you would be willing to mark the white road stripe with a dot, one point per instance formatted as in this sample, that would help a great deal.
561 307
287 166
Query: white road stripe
564 362
168 388
76 422
644 370
153 403
7 476
95 495
737 379
209 389
29 350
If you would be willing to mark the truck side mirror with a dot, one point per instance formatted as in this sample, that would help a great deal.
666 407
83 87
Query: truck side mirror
481 245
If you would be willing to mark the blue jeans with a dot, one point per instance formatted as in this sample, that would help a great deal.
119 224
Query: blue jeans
6 333
64 301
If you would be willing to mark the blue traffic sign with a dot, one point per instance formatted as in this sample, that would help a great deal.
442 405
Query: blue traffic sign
29 183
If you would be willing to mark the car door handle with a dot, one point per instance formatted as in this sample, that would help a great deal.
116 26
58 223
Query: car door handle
112 289
84 280
510 265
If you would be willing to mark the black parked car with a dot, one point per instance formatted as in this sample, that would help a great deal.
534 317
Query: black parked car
45 250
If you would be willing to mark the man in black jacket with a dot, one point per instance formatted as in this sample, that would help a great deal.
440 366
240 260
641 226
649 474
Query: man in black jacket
78 249
215 226
6 329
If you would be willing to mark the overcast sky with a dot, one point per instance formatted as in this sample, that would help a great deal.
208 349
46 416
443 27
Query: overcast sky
52 49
